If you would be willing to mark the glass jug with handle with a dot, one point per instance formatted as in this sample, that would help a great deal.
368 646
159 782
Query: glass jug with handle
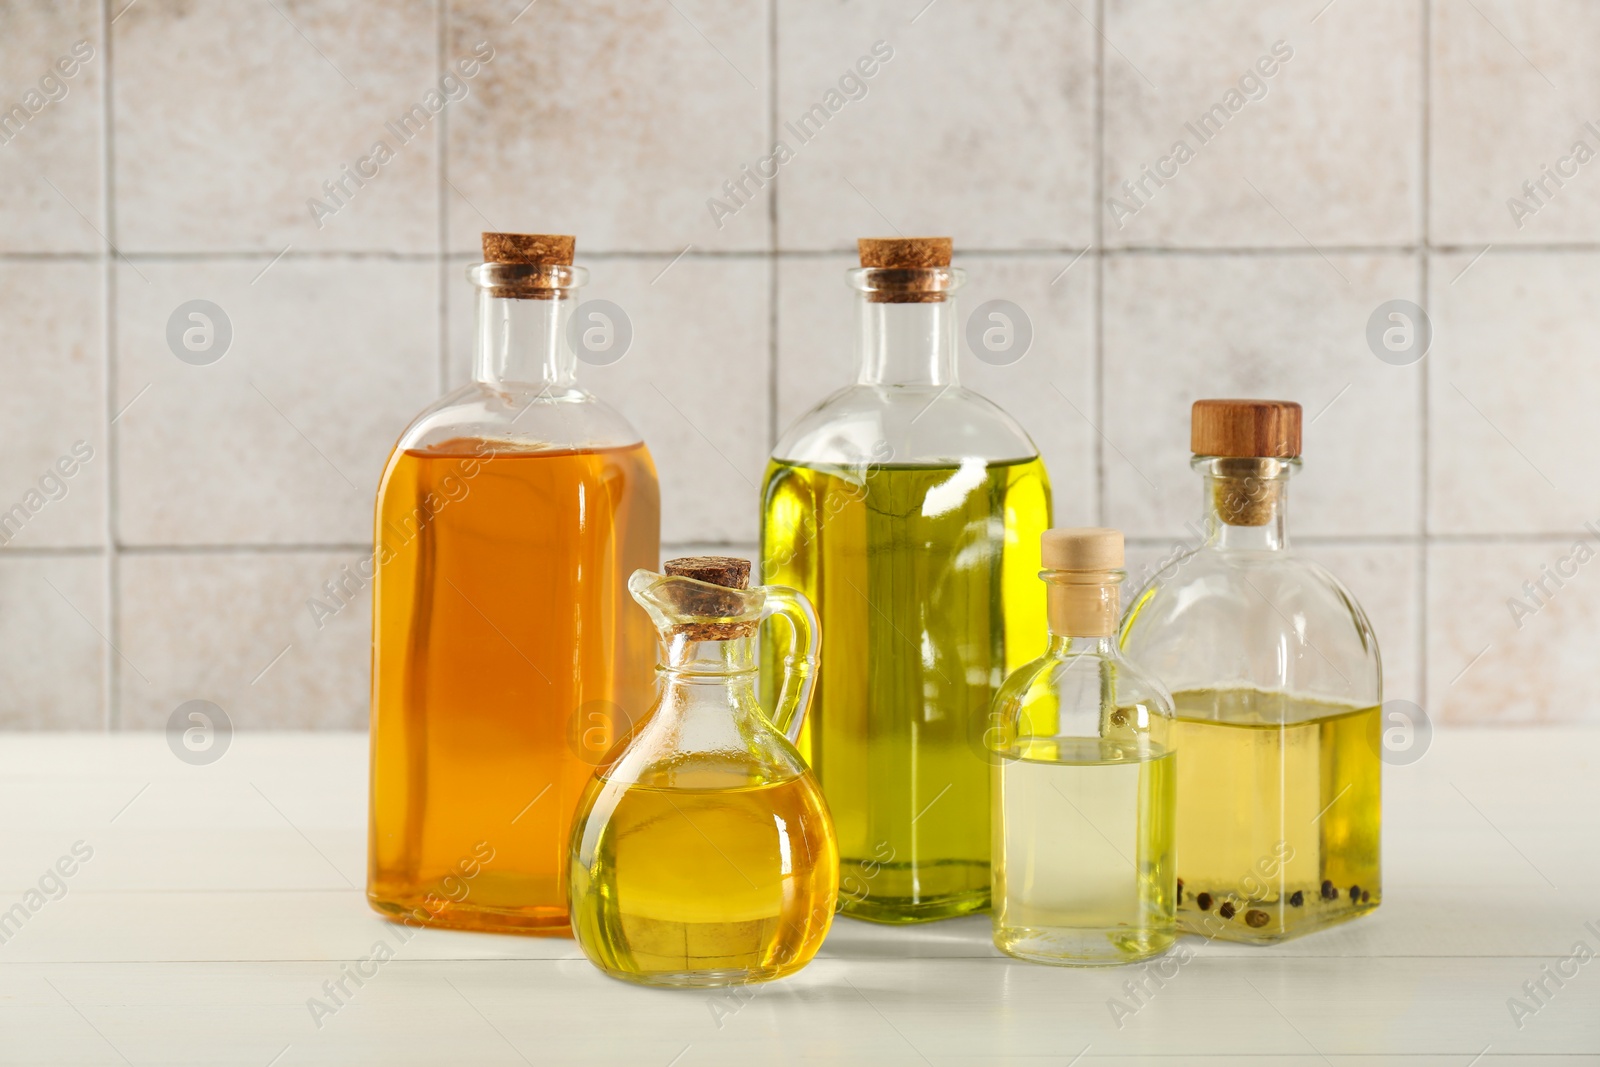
703 853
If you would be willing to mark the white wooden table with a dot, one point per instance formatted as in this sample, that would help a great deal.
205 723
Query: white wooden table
219 899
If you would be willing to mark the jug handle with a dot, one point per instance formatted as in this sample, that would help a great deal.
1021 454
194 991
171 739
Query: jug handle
800 664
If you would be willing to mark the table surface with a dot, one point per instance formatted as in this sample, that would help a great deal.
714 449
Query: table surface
219 899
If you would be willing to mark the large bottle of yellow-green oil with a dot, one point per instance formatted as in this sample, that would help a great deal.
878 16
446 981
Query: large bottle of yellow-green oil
909 510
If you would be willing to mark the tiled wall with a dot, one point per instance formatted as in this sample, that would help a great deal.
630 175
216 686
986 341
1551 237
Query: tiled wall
1374 163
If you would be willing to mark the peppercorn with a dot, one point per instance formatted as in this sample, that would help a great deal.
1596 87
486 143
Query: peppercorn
1355 893
1256 918
1226 911
1204 900
1365 896
1328 892
1297 899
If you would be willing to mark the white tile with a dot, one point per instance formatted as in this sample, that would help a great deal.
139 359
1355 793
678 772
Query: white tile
228 119
52 652
816 354
980 123
1513 91
1324 151
52 404
1513 393
1290 327
284 437
613 121
693 382
1507 643
52 186
213 626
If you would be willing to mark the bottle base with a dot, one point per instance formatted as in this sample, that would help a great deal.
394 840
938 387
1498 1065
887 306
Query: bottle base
702 979
1062 946
900 911
532 921
1277 923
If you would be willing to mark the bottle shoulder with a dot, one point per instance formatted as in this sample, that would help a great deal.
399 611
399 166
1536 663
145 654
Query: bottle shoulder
904 424
1275 621
522 417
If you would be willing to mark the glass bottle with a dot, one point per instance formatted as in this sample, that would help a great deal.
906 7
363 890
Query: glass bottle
1277 681
909 510
1084 779
505 650
703 854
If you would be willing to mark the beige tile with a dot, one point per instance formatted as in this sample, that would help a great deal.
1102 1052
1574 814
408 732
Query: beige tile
1382 577
229 118
52 655
1513 90
1511 447
52 187
613 121
52 404
980 123
1500 650
1291 327
283 438
1329 141
209 626
816 354
694 382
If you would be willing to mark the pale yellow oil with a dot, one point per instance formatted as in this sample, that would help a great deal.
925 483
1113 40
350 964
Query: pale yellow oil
1084 870
1279 813
926 582
703 874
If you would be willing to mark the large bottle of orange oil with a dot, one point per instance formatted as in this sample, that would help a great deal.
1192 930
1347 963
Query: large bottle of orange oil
507 656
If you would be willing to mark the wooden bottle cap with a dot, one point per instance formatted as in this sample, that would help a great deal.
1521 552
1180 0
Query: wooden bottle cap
728 571
542 248
1245 428
1082 548
905 253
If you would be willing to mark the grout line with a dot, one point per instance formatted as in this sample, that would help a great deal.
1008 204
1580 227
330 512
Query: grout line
441 145
1097 184
1040 252
1424 280
111 673
772 234
295 548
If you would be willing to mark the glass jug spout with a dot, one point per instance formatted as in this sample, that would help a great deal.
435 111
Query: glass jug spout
708 628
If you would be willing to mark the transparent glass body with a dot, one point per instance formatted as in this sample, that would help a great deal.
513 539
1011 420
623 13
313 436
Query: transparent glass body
1277 681
1084 782
506 654
703 855
909 510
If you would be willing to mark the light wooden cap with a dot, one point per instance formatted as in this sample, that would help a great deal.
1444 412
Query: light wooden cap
548 249
905 253
1082 548
1245 428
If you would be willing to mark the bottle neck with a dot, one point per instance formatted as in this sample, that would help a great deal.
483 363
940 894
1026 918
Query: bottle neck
906 343
524 341
1246 502
1082 608
689 660
1067 645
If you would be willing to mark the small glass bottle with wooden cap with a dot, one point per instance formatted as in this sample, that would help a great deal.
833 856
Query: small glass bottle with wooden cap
1277 680
506 655
702 852
909 509
1084 779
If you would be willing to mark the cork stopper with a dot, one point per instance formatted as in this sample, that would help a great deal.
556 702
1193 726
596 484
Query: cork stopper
1245 428
724 572
548 249
1082 548
905 253
906 270
1084 568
